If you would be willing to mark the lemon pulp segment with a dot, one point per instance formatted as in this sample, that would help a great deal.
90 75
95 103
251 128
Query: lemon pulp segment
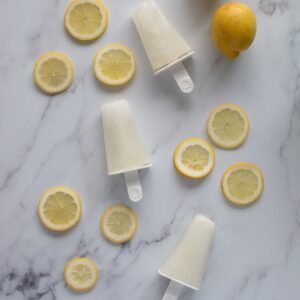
118 223
53 72
86 19
242 183
194 158
81 274
228 126
59 208
114 64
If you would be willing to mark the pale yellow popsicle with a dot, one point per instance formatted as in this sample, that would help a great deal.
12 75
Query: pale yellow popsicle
186 264
161 41
123 147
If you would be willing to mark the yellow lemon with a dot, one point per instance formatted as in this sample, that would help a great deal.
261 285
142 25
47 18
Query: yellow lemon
86 20
118 223
194 158
228 125
59 208
53 72
242 183
114 64
233 28
81 274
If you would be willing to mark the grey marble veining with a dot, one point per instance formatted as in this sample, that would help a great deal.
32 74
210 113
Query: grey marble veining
46 141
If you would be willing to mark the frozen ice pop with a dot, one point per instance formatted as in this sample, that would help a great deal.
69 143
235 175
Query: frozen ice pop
185 266
125 152
165 48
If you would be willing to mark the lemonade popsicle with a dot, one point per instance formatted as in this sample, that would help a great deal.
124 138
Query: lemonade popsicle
165 48
185 266
125 152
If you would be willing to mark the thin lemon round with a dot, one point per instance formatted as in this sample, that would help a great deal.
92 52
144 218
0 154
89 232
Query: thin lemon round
59 208
86 20
81 274
119 223
228 126
114 64
242 183
194 158
53 72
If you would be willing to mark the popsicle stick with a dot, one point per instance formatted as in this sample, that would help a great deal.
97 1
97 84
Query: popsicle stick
173 291
182 77
134 187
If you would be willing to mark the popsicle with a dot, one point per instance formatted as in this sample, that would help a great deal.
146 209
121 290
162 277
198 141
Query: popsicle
125 152
165 48
185 266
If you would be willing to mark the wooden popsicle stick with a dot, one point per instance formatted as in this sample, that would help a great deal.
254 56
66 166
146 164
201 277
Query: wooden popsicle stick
173 291
134 187
182 77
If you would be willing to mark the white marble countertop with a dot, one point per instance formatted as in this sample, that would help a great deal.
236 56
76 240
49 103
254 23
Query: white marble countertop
48 141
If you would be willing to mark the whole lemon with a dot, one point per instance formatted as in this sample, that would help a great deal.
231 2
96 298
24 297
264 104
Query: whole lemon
233 28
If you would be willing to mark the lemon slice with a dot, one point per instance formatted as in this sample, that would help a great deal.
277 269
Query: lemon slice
86 20
118 223
59 208
114 64
242 183
194 158
228 126
81 274
53 72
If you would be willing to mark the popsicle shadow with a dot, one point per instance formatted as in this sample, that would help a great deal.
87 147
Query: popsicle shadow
189 294
117 191
144 173
167 85
118 188
163 283
101 136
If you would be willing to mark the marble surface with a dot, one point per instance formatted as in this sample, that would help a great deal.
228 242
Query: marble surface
48 141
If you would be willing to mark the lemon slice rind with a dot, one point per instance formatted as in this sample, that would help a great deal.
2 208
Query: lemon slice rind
42 210
88 267
99 59
240 166
185 170
241 123
40 64
109 219
85 36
